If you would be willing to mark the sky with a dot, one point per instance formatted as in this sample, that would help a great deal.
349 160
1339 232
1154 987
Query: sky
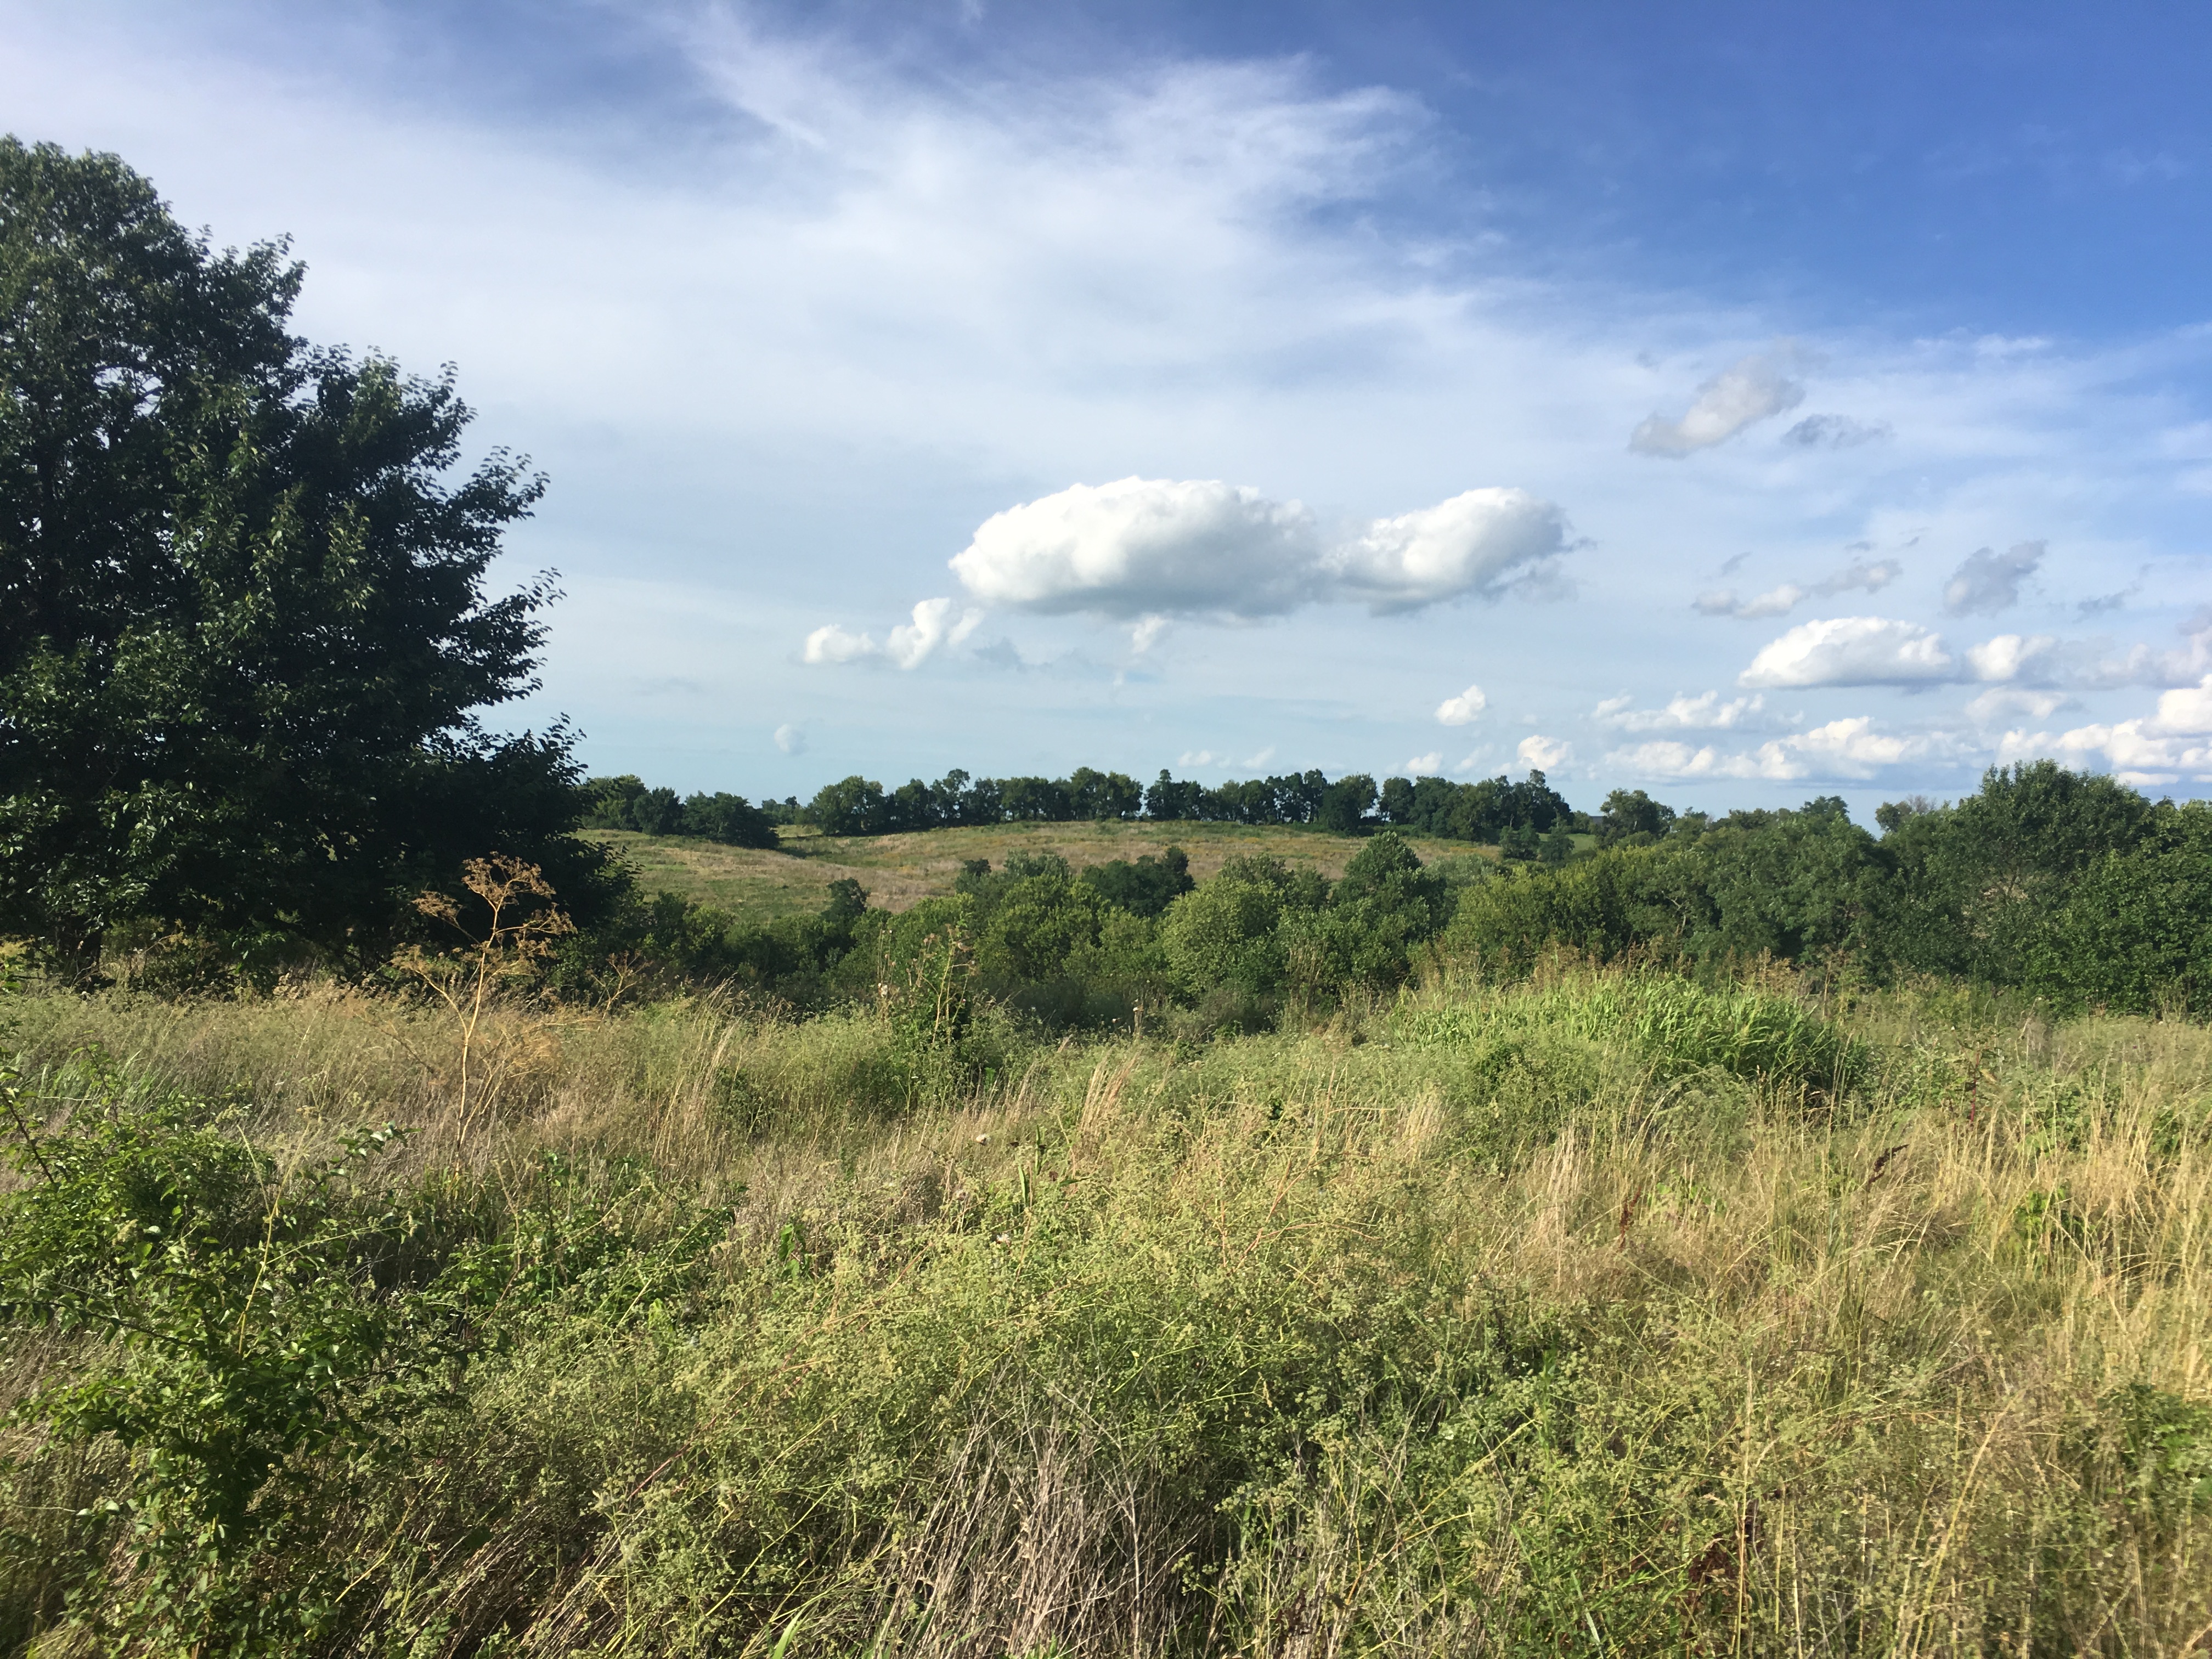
1736 402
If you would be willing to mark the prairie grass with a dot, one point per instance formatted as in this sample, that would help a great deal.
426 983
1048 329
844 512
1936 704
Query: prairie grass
1597 1315
901 870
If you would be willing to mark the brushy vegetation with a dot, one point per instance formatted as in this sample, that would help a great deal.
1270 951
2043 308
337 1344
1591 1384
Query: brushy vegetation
418 1237
1599 1312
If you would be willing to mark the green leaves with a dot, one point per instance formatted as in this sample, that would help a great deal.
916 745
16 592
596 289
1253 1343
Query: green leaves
231 1329
244 629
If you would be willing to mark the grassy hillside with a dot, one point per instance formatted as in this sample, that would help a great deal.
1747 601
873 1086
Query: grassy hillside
900 870
1593 1315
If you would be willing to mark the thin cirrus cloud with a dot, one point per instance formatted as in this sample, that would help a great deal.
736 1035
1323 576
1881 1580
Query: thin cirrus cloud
1835 432
1780 601
909 645
1705 712
1750 389
1464 709
1148 548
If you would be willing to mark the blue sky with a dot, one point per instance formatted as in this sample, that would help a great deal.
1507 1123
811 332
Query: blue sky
1743 403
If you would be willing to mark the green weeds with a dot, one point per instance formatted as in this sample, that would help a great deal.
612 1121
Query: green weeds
1509 1320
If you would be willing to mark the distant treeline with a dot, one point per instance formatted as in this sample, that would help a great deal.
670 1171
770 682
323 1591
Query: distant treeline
1492 811
625 803
2063 885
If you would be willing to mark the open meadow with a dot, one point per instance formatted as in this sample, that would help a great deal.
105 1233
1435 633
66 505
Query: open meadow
464 1198
899 871
1593 1313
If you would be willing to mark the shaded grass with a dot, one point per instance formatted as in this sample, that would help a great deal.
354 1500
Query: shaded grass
1503 1321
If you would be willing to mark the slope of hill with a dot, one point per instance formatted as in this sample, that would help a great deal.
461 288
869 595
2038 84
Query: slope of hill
898 870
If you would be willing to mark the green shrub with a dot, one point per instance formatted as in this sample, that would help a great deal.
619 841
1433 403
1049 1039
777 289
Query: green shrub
1675 1027
1774 1041
231 1329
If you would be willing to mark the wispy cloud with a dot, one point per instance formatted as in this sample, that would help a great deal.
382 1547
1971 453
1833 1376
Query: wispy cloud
1705 712
1780 601
1835 432
1750 389
1989 581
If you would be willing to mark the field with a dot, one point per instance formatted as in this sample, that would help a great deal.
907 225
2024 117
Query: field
1592 1314
900 870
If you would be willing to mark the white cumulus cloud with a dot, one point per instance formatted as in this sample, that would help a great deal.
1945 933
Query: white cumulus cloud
791 740
1850 748
2012 657
1668 758
1156 548
1423 766
1543 753
2177 739
1747 391
1851 651
1463 709
1475 543
909 645
829 644
1705 712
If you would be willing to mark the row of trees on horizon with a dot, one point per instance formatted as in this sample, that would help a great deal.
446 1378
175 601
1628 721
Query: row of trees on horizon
1518 816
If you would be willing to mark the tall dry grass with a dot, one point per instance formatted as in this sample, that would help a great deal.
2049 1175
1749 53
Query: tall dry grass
1487 1323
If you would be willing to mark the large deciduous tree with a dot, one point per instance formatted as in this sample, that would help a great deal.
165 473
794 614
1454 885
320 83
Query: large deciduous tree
244 628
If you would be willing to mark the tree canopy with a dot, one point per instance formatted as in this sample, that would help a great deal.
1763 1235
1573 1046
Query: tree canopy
244 625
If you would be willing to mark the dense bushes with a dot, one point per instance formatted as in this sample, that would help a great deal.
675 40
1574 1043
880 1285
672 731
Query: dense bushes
2063 885
1036 937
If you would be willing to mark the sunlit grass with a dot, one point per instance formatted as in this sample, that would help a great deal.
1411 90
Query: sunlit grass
1598 1315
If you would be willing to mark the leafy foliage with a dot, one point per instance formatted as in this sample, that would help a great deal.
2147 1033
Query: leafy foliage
245 630
625 803
236 1331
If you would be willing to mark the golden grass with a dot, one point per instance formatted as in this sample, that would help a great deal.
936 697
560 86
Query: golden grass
1764 1376
900 871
